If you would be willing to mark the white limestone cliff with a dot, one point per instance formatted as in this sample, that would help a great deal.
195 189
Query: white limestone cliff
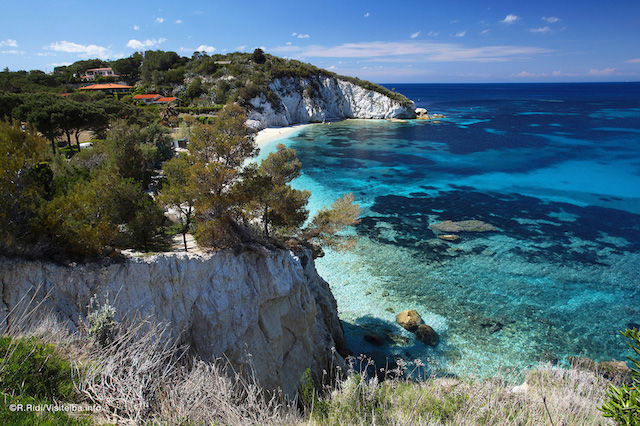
269 308
307 100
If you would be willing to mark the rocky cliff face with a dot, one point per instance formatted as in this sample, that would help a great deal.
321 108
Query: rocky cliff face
269 308
307 100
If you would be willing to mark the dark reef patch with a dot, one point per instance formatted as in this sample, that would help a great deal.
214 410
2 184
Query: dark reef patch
586 237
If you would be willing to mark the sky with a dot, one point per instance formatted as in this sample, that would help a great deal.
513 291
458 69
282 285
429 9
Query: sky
451 41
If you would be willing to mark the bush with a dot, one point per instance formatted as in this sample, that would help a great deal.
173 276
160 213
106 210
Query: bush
31 368
623 404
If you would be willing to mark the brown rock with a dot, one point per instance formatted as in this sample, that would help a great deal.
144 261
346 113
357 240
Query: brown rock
427 335
409 319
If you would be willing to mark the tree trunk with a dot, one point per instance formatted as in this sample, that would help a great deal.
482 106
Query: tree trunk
77 135
69 140
265 221
184 239
53 144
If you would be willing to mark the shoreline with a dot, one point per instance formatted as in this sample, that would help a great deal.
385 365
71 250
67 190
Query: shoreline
270 134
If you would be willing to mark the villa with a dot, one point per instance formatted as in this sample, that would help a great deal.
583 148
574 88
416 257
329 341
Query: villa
92 73
108 87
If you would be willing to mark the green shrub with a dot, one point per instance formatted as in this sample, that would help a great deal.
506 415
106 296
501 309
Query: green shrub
33 369
101 321
623 405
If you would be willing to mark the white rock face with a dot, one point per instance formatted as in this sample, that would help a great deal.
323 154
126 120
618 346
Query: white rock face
268 308
300 100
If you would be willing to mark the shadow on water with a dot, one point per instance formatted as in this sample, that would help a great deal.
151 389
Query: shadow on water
387 346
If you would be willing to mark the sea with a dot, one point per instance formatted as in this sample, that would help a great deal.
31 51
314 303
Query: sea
553 168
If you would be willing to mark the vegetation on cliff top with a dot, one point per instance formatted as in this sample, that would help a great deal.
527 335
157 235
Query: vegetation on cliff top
80 205
200 81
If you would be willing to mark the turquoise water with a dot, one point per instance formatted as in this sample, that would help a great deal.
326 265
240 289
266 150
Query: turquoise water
555 168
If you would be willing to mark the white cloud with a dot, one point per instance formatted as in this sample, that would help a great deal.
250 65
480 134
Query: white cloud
366 15
433 34
606 71
525 74
136 28
460 34
159 20
543 30
139 45
9 43
416 50
90 50
179 21
302 35
510 19
551 19
12 52
239 48
558 73
633 61
484 31
205 48
416 34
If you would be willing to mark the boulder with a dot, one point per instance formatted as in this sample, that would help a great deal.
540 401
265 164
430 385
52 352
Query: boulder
409 319
427 335
422 114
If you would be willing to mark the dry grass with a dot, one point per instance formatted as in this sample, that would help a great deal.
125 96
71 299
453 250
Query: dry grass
143 377
547 395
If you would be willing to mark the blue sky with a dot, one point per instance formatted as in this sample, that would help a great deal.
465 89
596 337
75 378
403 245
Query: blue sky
386 42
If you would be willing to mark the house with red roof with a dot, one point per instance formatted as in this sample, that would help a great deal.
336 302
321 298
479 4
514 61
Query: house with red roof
108 87
92 73
166 100
147 99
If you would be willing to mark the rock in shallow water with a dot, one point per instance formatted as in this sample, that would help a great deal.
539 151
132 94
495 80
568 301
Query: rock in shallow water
427 335
409 319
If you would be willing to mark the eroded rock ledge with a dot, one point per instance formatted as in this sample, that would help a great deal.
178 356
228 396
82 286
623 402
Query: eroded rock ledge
265 307
313 100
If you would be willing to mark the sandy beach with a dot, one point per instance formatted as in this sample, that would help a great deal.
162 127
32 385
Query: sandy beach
265 136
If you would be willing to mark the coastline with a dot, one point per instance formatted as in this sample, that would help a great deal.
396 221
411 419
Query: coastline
270 134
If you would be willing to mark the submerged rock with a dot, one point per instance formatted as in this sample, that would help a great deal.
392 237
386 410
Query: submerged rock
409 319
449 226
374 339
427 335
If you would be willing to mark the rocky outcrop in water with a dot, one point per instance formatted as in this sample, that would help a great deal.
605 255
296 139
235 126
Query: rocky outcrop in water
316 99
265 308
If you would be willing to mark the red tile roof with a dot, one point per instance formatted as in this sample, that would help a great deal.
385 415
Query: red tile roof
167 99
105 86
146 96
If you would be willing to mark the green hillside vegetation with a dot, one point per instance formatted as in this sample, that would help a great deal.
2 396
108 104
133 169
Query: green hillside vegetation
199 81
58 201
83 205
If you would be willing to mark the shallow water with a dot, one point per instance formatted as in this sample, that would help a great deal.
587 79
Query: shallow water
555 168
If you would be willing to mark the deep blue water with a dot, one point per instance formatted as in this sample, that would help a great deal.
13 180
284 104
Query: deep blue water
554 167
